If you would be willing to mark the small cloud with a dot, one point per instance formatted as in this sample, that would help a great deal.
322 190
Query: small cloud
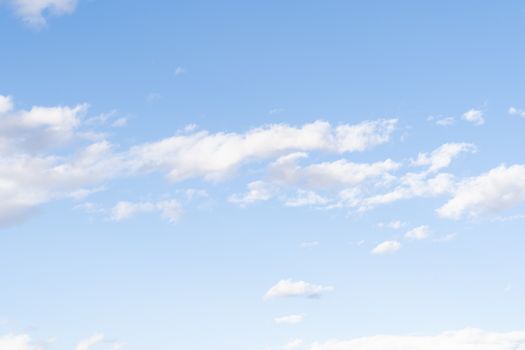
386 247
442 121
474 116
498 189
82 193
508 288
190 127
100 119
168 209
289 319
518 112
418 233
120 123
446 121
33 12
180 71
290 288
306 198
257 191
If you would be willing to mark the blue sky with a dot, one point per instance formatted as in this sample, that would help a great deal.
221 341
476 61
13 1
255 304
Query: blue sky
307 175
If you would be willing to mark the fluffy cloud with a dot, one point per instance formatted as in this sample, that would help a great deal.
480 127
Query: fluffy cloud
411 185
289 319
360 186
216 156
339 173
386 247
6 104
44 156
90 342
466 339
499 189
39 128
28 181
47 154
418 233
518 112
290 288
474 116
442 157
33 11
17 342
170 209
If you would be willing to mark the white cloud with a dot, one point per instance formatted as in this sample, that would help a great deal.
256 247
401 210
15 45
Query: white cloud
180 71
466 339
428 183
33 12
344 173
290 288
518 112
216 156
306 198
39 128
442 121
90 342
418 233
442 157
386 247
474 116
257 191
28 181
6 104
411 185
43 156
169 209
17 342
289 319
120 123
499 189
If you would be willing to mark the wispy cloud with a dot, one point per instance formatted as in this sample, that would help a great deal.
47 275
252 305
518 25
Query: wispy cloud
386 247
291 288
465 339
